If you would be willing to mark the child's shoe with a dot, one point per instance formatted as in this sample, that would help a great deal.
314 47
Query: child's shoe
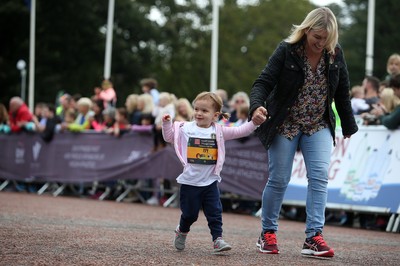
220 245
180 239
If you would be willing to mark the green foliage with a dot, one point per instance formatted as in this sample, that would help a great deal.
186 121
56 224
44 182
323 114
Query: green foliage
386 39
249 35
70 43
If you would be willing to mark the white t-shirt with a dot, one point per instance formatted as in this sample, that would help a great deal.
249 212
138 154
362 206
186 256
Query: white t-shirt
359 105
201 153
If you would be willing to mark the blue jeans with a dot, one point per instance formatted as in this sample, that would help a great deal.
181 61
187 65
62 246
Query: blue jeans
316 151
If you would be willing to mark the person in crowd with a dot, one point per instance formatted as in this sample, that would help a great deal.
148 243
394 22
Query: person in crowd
109 118
224 96
131 106
82 121
238 99
145 104
20 116
392 66
146 124
391 119
75 98
165 106
70 116
4 120
149 86
387 103
107 94
306 72
358 103
383 85
66 103
370 85
96 95
184 110
199 145
97 120
38 111
47 129
121 124
242 114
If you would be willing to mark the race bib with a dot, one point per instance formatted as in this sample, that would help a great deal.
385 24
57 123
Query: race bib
202 151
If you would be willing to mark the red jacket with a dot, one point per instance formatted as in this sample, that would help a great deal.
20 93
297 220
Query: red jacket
22 114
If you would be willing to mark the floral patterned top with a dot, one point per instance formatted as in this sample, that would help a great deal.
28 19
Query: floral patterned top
307 113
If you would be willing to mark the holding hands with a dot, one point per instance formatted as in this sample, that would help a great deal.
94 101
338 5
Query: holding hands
259 116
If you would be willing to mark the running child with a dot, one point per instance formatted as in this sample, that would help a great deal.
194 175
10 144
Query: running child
200 146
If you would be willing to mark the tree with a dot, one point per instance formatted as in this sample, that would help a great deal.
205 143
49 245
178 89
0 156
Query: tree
70 42
353 38
250 34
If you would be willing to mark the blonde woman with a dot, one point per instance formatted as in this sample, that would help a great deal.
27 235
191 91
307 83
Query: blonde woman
184 110
131 104
393 66
295 91
145 103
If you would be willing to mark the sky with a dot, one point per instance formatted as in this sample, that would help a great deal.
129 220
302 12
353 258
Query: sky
325 2
156 15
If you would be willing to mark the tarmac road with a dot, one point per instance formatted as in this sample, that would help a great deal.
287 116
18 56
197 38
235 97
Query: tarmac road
43 230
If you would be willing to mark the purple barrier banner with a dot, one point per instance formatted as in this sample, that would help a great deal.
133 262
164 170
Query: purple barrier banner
88 157
84 157
363 174
245 171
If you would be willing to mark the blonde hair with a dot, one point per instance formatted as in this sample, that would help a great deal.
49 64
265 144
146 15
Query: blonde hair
84 101
389 99
395 58
165 96
357 91
320 18
188 106
215 100
148 103
131 102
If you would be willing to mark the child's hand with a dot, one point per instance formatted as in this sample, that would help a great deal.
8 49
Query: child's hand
166 118
259 116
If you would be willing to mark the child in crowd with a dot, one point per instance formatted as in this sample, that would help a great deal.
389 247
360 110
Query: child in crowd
358 103
96 121
200 145
146 124
121 124
131 104
242 114
184 110
165 106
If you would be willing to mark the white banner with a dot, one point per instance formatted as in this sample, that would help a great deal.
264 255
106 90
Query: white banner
364 171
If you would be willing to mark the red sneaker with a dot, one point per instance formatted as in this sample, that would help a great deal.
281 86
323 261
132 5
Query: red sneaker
316 246
267 243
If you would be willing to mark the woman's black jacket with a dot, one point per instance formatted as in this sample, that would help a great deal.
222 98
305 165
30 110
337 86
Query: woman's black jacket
278 85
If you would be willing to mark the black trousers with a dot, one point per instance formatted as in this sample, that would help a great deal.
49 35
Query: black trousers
193 198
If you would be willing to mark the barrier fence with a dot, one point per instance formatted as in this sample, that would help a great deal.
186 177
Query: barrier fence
364 171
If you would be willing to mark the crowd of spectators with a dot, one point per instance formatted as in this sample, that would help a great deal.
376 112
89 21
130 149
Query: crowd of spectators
374 101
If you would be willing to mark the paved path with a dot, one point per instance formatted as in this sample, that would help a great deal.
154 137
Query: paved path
43 230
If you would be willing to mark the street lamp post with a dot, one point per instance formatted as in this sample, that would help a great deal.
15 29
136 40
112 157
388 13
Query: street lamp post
21 65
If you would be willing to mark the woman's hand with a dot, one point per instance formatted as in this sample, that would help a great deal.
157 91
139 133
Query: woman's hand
259 116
